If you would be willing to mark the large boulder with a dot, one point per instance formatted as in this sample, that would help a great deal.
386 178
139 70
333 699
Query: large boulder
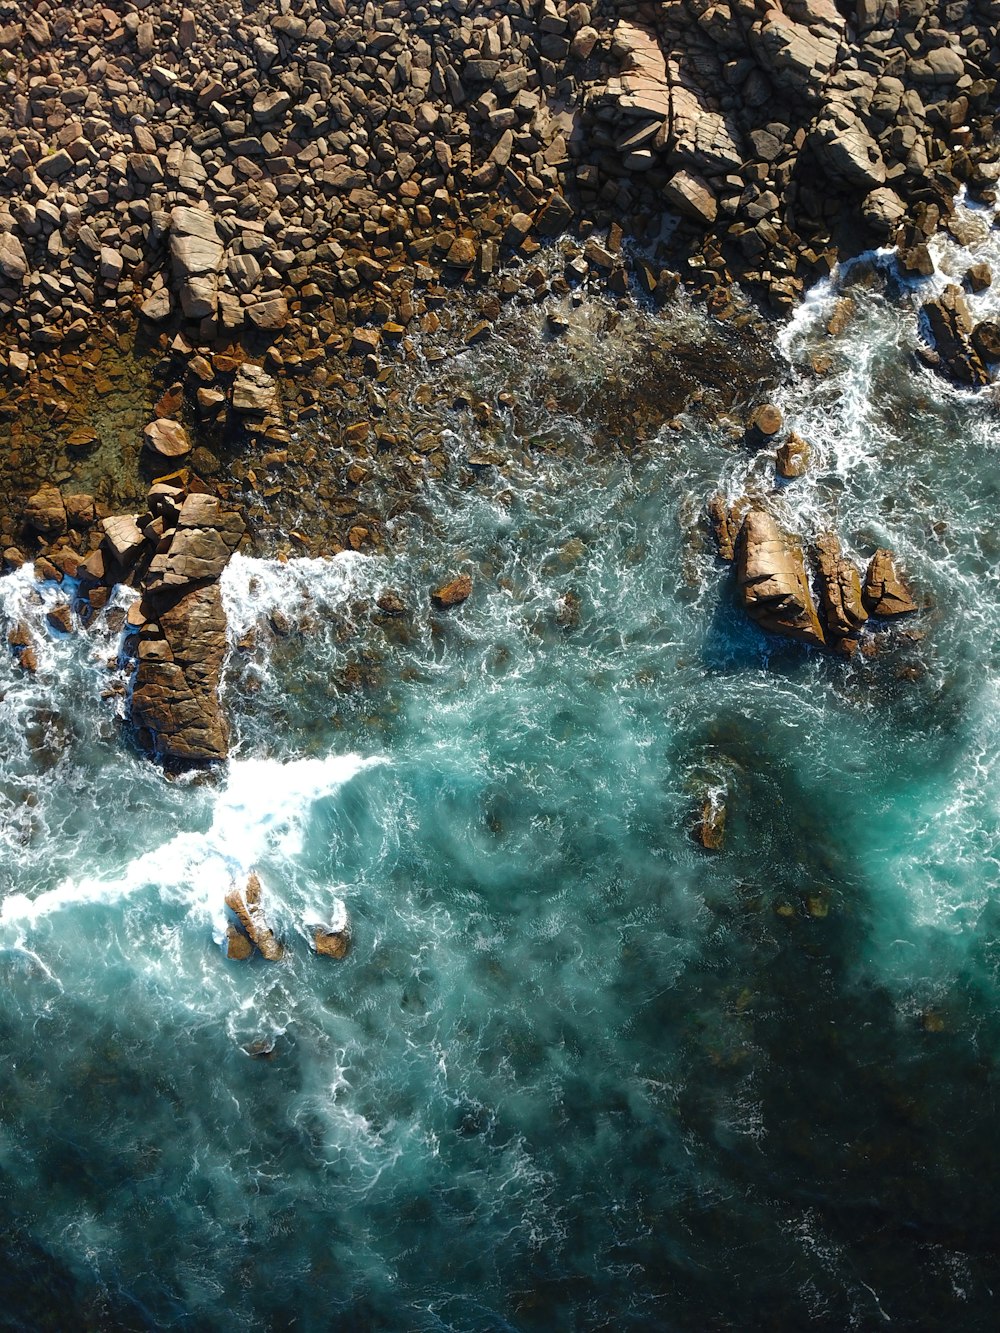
952 331
885 593
195 245
255 392
771 576
168 438
45 512
839 590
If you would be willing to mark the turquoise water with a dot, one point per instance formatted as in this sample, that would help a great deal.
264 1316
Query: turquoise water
575 1073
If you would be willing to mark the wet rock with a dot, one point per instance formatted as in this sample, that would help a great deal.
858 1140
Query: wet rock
765 422
725 520
771 577
709 830
334 939
453 593
60 618
239 946
792 457
175 695
167 438
978 278
840 594
246 907
951 329
885 593
391 604
986 340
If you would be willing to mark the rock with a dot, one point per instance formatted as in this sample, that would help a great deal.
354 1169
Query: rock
195 247
978 279
391 604
883 210
45 512
451 594
255 391
246 907
885 593
205 537
986 340
771 577
167 438
13 262
839 589
123 538
766 420
691 196
175 693
462 252
792 457
238 945
951 329
60 618
725 520
710 827
156 307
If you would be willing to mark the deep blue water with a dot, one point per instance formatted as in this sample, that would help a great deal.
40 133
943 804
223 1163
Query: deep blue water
575 1073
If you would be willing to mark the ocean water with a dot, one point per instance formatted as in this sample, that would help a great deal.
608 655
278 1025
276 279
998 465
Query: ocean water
575 1072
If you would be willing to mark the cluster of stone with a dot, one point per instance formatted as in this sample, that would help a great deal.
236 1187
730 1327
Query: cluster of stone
173 554
784 129
237 166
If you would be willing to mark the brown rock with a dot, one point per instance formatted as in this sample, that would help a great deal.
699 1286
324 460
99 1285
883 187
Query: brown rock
205 536
238 945
792 457
167 438
885 593
766 420
951 328
771 576
710 827
332 943
45 512
839 589
451 594
247 909
986 339
725 520
175 695
60 618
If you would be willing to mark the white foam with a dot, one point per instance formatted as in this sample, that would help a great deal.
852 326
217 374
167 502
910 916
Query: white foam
252 588
262 809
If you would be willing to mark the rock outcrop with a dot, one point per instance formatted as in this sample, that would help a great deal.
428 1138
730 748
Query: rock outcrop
452 593
840 598
951 328
885 593
246 906
772 580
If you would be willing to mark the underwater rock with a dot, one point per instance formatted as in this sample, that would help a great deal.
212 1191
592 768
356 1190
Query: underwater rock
771 575
453 593
885 593
246 907
839 591
710 828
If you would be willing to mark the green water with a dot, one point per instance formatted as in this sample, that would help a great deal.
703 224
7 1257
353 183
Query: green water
575 1073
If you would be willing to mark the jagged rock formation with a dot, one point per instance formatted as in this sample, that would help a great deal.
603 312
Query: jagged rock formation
252 928
885 593
773 582
840 598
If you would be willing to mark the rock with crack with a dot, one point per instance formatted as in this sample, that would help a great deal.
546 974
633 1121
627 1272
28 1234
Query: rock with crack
840 598
205 537
885 593
951 328
175 695
772 580
246 907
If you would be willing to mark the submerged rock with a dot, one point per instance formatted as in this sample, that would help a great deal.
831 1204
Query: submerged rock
885 593
451 594
839 591
771 575
246 907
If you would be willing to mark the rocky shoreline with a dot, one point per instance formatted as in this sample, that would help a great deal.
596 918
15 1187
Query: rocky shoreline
242 221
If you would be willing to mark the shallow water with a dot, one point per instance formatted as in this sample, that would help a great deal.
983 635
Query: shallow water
575 1073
